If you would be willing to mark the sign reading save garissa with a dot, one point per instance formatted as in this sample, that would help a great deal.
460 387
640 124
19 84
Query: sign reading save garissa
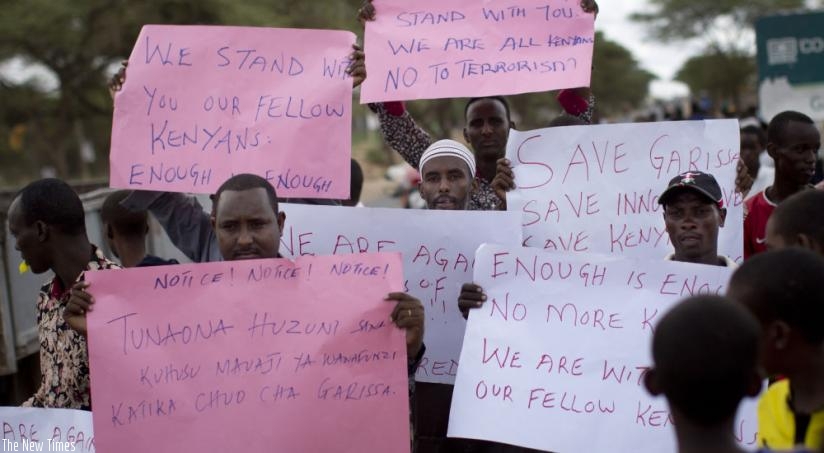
791 64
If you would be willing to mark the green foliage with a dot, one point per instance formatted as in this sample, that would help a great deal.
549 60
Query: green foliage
724 76
617 80
673 20
725 70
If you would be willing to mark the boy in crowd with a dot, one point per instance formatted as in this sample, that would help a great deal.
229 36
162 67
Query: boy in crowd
784 290
705 354
793 142
798 221
47 221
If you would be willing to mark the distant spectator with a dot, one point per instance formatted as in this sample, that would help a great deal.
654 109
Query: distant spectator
760 165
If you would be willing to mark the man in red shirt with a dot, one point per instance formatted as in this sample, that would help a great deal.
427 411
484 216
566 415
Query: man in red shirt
793 142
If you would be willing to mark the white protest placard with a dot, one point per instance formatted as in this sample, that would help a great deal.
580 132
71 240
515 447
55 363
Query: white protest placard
559 350
438 250
595 188
38 429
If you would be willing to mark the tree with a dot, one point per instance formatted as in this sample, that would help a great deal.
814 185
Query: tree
724 76
80 42
726 68
617 79
718 22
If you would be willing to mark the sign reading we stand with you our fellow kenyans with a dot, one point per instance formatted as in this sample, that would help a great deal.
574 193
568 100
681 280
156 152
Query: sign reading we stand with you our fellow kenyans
257 355
431 49
201 103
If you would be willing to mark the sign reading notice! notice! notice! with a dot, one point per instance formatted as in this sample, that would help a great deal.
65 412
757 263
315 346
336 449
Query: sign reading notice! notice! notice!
252 356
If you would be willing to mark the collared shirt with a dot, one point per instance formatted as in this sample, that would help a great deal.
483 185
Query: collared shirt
64 357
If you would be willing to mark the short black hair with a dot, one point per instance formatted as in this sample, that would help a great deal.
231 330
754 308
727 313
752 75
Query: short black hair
801 213
355 181
54 203
757 131
705 351
126 222
246 181
786 285
494 98
778 125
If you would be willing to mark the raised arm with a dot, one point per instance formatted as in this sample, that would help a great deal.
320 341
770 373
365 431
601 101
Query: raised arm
183 219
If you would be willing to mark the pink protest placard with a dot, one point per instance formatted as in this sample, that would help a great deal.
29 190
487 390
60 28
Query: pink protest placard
251 356
203 103
432 49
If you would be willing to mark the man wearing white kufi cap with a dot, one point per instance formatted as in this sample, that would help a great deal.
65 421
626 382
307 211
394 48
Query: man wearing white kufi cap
447 175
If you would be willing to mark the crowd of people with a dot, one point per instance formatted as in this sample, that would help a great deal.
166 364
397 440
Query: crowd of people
709 351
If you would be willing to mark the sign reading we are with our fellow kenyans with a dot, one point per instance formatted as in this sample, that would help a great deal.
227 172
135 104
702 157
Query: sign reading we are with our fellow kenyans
595 188
39 429
253 356
559 351
432 49
203 103
438 250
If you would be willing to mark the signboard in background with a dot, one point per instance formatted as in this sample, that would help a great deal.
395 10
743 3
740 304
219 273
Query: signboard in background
203 103
559 351
38 429
595 189
438 249
791 64
432 49
253 355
